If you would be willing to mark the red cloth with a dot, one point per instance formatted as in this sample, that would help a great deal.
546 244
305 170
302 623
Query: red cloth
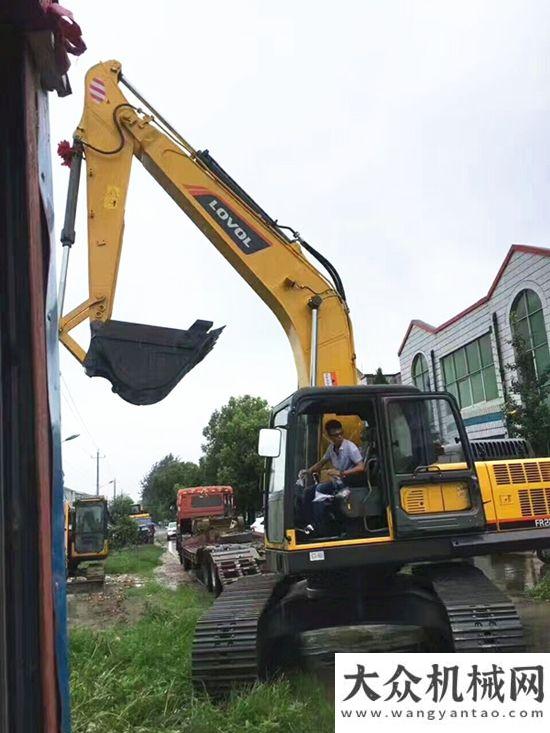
40 15
67 33
69 30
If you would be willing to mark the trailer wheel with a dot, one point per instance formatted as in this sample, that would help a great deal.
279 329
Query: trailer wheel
214 584
205 572
202 571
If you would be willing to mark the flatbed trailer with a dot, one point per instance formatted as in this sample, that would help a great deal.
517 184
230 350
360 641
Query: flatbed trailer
211 540
218 564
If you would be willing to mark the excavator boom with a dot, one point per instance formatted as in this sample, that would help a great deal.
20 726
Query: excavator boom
144 362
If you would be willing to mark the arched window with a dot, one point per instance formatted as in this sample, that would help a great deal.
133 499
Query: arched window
421 375
527 322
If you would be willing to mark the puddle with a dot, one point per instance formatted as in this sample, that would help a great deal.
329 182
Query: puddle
515 574
170 572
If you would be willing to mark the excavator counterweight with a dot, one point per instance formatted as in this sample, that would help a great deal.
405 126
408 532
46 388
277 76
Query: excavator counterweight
144 363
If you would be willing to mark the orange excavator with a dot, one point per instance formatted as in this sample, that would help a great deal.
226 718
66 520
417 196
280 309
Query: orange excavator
423 500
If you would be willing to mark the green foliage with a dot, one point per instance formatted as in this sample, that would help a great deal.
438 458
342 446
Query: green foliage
541 591
159 486
138 560
136 679
230 457
120 507
527 408
230 451
379 377
124 533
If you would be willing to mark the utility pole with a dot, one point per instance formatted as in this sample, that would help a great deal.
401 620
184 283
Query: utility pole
114 488
97 457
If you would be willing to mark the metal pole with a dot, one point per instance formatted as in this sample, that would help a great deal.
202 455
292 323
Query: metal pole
114 488
68 232
314 304
97 473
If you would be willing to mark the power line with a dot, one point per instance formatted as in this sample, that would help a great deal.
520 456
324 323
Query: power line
77 412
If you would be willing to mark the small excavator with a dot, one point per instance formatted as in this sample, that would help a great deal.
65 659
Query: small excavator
86 539
423 502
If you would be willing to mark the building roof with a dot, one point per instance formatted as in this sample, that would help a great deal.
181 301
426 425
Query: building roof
542 251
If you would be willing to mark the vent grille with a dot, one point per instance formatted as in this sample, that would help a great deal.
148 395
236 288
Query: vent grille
534 502
495 449
501 474
527 472
545 470
524 502
414 501
532 472
517 473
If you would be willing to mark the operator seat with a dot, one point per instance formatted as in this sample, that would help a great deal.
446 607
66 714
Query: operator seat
362 497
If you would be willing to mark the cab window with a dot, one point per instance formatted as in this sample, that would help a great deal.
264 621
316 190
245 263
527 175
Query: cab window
278 464
423 432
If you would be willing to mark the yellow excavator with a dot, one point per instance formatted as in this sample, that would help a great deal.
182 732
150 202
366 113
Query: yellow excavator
425 499
86 537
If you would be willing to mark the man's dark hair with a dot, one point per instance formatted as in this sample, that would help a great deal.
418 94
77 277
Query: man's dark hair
332 426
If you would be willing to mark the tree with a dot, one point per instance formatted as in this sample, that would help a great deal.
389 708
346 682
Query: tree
527 408
379 377
230 451
159 485
119 507
123 531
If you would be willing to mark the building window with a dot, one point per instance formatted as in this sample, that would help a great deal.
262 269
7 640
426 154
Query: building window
527 322
420 373
470 373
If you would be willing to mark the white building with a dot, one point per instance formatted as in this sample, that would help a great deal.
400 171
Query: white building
467 354
71 495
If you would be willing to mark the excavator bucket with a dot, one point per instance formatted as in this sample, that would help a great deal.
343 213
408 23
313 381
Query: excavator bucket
144 363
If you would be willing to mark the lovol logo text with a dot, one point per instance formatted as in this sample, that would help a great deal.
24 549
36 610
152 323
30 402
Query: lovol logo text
246 239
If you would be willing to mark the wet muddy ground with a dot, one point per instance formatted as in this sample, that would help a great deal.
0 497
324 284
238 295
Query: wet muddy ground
170 573
112 604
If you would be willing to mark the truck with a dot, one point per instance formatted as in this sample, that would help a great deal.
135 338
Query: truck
211 539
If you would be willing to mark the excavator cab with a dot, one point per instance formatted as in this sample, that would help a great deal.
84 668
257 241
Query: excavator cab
419 478
86 524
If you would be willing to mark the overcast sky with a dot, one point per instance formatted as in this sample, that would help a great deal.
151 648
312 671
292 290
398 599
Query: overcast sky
408 141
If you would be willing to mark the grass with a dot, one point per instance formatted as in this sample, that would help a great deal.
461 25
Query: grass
136 678
140 560
541 591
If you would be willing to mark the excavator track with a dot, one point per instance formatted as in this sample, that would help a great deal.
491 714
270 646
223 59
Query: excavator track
225 650
488 622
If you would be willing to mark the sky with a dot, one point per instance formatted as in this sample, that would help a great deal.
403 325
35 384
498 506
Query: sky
406 140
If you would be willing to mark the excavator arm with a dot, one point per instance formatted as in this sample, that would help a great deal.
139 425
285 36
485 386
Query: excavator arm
144 362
